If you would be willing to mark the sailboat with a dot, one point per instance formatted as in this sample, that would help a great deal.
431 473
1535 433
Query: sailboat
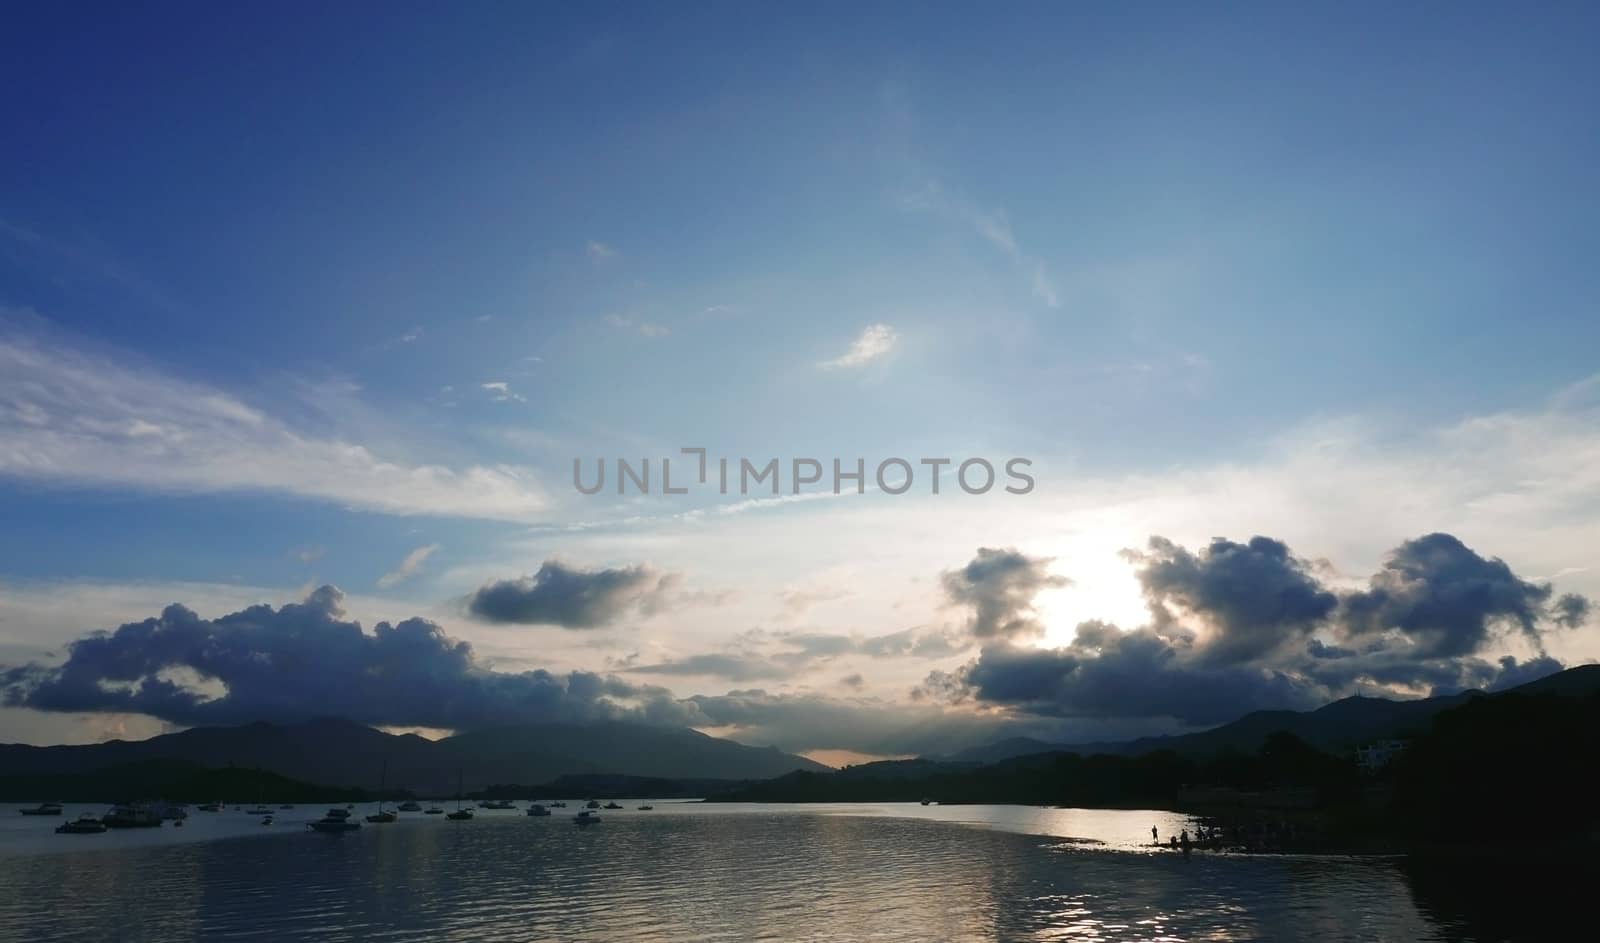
382 817
460 814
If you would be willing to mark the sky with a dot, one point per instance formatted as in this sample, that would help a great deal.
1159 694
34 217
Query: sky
306 314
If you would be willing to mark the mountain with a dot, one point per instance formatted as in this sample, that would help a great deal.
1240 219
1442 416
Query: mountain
346 754
1336 727
174 780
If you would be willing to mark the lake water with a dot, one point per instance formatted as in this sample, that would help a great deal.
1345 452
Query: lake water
692 871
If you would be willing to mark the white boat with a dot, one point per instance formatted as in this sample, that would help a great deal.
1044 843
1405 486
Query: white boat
586 818
337 820
44 808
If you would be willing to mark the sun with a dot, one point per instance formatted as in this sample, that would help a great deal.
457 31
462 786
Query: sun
1103 587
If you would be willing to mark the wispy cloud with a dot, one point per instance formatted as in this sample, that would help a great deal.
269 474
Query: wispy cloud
408 567
599 251
309 554
994 227
642 328
71 416
502 392
411 336
875 341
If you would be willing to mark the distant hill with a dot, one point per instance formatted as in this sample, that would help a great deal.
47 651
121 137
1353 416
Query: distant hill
173 780
345 754
1336 727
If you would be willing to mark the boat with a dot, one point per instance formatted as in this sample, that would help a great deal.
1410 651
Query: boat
265 821
44 808
131 816
258 810
433 810
460 814
287 805
611 805
536 810
592 804
336 821
558 805
646 808
210 807
85 824
927 802
381 817
174 812
409 806
497 804
586 818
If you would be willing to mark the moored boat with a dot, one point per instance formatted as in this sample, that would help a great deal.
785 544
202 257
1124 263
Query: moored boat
84 824
131 816
331 823
409 806
536 810
586 818
44 808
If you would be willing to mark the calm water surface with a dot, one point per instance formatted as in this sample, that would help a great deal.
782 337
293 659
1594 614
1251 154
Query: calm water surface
690 872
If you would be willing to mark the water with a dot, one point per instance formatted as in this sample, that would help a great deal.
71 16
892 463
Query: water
690 871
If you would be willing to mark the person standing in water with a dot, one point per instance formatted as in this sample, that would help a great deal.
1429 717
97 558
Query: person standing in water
1155 839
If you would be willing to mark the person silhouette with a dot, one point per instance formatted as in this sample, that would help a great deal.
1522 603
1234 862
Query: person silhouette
1154 837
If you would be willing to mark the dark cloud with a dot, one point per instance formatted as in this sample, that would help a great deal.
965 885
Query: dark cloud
1254 598
304 660
571 597
1571 611
1444 599
1235 627
733 666
1000 586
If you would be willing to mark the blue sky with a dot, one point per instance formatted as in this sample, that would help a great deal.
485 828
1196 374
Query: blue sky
373 276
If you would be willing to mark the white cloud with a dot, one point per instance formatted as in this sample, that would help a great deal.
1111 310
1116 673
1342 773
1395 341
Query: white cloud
599 251
874 342
501 391
411 335
642 328
408 567
69 416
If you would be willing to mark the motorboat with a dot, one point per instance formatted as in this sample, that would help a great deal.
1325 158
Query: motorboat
174 813
646 808
592 804
334 824
586 818
266 821
258 810
612 805
338 814
409 806
433 810
497 804
131 816
382 818
537 811
558 805
287 805
85 824
44 808
210 807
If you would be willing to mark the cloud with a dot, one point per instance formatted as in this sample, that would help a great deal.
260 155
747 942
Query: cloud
1255 597
1446 600
501 391
76 418
642 328
408 567
303 660
993 227
573 598
411 336
1000 586
874 343
1571 611
1241 627
310 553
599 251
